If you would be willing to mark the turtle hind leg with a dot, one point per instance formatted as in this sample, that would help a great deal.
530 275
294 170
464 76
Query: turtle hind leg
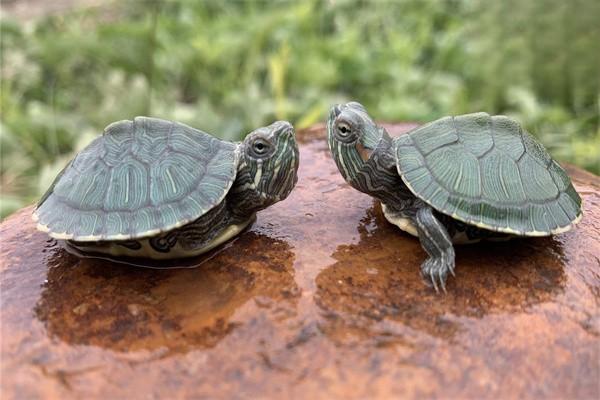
437 243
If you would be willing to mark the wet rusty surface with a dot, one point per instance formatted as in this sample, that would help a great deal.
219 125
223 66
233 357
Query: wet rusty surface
321 298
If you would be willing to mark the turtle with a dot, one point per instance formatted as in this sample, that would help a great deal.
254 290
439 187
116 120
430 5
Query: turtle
456 180
158 189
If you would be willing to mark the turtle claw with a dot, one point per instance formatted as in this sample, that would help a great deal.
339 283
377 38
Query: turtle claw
435 286
435 271
443 282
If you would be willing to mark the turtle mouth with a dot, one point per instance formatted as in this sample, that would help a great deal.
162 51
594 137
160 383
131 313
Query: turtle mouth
336 110
283 128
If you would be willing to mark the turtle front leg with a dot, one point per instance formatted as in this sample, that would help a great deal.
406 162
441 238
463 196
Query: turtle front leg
436 242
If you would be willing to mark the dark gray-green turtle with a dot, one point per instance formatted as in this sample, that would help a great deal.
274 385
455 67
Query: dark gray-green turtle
455 180
160 189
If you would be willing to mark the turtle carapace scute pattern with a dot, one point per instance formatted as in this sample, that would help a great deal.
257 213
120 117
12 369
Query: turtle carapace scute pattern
486 171
161 189
455 180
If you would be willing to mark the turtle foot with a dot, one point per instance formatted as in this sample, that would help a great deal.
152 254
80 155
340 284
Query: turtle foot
436 242
435 269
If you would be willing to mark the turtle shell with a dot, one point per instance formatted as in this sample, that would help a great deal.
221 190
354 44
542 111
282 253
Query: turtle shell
486 171
138 179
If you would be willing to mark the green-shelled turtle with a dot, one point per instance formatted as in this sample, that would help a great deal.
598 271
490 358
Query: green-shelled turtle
455 180
159 189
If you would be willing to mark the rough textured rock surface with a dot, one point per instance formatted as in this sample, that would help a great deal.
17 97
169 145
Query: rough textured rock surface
321 298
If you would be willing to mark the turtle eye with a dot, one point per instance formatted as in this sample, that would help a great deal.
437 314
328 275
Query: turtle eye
343 129
260 147
346 131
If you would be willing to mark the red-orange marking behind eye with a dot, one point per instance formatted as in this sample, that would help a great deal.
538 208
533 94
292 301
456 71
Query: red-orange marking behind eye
363 151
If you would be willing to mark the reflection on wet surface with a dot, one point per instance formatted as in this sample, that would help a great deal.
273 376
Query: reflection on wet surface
356 293
96 302
321 298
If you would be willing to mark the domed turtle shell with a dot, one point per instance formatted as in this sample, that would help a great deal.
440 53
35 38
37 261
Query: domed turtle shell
488 172
138 179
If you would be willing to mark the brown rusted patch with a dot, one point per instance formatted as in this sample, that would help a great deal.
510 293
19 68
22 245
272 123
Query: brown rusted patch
321 298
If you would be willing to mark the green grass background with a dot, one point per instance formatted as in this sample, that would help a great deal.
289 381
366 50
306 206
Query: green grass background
227 67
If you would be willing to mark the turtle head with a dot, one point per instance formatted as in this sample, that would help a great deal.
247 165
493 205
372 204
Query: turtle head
353 136
270 165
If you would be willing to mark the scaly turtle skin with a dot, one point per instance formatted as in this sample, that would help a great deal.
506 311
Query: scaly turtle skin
455 180
160 189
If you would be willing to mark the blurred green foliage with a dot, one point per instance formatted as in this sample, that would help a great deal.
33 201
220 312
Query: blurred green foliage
228 67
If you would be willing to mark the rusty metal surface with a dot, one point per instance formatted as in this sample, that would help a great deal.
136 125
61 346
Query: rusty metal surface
321 298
